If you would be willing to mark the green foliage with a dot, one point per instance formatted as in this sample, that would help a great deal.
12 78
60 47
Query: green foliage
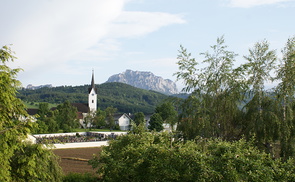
286 90
11 109
19 161
124 97
139 118
46 120
230 102
110 111
66 116
217 87
78 177
168 113
100 119
35 163
156 122
151 157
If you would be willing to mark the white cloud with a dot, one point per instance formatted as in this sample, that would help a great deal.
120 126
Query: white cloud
58 30
48 34
252 3
135 23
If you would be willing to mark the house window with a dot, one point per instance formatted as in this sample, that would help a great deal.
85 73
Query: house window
92 101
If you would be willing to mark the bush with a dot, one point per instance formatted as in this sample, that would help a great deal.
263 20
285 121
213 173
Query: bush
154 157
77 177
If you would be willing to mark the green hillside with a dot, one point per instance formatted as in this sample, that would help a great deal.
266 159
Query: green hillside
119 95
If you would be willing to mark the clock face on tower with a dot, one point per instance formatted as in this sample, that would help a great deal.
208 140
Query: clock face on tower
92 94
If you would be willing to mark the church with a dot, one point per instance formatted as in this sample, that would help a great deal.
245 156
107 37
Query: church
91 107
123 120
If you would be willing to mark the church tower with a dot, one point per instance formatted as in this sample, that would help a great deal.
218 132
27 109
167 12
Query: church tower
92 95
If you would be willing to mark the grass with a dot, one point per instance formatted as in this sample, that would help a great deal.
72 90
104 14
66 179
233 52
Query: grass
35 105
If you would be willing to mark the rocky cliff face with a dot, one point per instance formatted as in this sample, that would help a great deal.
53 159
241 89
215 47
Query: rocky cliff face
145 80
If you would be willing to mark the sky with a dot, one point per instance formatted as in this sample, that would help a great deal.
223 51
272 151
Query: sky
60 42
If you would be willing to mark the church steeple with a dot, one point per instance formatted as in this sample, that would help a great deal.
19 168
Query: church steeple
92 95
92 86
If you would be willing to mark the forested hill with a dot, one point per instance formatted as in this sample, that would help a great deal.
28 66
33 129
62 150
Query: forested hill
124 97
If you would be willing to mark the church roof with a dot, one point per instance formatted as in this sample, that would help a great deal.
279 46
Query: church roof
32 111
92 86
81 107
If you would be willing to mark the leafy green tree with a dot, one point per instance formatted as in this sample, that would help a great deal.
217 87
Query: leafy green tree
100 118
168 113
110 111
89 120
43 110
66 116
193 120
156 122
285 94
42 127
149 156
52 125
261 120
35 163
217 85
139 118
15 125
11 109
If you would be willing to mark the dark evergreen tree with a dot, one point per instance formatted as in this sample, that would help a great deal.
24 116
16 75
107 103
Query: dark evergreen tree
156 122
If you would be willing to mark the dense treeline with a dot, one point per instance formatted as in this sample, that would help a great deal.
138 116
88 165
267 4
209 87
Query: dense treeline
119 95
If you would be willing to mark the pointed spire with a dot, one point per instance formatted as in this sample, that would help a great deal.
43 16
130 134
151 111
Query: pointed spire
92 80
92 86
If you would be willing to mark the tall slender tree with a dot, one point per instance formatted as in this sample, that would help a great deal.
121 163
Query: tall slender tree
285 93
216 85
261 119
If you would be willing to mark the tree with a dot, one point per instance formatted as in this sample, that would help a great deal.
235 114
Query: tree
35 163
149 156
217 86
168 113
100 118
156 122
43 110
261 120
110 111
52 125
285 94
66 116
88 120
139 118
15 125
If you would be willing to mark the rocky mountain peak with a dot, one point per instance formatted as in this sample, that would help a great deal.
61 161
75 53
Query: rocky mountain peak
145 80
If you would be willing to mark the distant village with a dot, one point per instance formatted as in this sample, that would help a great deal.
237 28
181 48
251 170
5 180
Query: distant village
124 121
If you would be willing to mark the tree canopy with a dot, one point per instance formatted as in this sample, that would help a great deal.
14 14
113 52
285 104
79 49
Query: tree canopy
20 160
230 101
147 156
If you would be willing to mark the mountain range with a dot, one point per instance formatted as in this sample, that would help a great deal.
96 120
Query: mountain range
145 80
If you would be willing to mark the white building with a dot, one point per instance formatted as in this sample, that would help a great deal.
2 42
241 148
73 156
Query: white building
92 95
